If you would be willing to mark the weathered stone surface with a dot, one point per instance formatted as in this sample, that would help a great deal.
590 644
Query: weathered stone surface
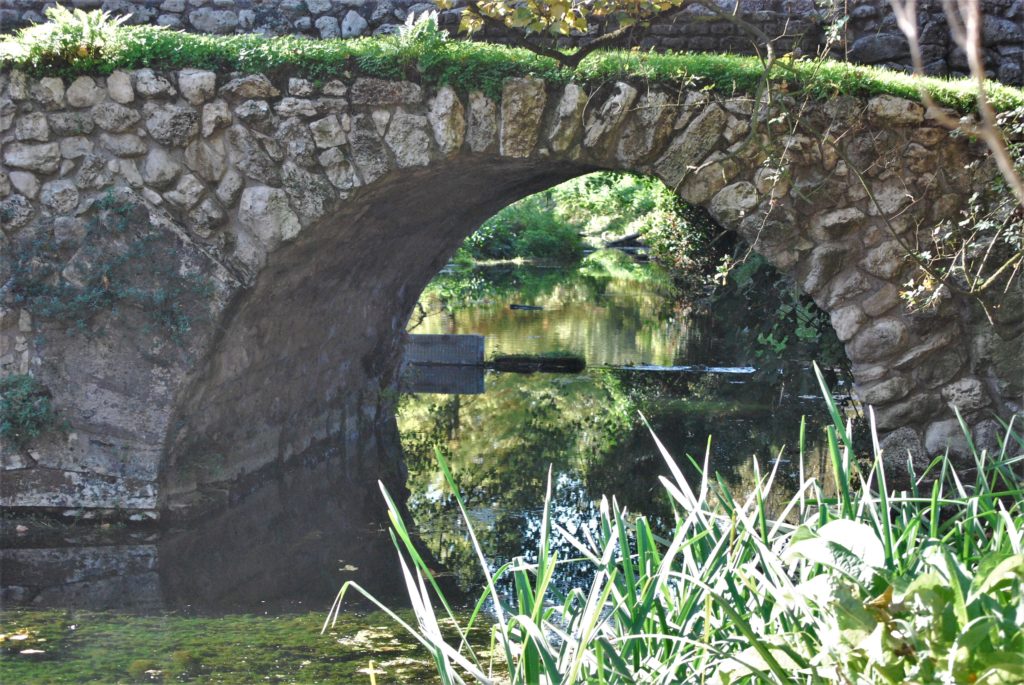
123 144
71 123
206 217
328 132
847 287
874 49
846 321
172 125
940 368
568 118
378 92
408 139
907 411
901 446
268 216
48 92
885 260
821 266
93 172
297 107
196 85
210 20
328 27
834 224
32 127
114 118
252 111
353 25
522 106
83 92
945 435
254 86
482 128
881 301
160 169
691 147
966 394
734 202
44 157
888 199
448 120
339 169
25 183
878 340
605 120
207 158
215 116
60 196
646 130
16 211
368 152
888 110
230 186
891 389
151 85
310 194
119 87
187 192
74 147
250 157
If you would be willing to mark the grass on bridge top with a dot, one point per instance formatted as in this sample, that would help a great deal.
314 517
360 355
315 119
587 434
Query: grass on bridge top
428 58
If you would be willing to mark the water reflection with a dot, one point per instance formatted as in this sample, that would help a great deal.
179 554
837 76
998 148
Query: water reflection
289 544
646 353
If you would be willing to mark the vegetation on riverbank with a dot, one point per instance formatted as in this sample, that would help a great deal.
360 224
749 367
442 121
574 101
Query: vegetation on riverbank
854 580
65 48
52 646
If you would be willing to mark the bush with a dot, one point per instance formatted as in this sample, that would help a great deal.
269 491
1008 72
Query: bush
848 581
25 409
531 228
71 37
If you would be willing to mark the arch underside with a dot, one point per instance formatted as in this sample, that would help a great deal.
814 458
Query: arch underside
320 219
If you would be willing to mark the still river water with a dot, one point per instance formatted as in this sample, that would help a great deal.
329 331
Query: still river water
240 598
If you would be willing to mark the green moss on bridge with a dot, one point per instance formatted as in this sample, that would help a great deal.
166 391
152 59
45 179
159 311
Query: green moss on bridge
431 60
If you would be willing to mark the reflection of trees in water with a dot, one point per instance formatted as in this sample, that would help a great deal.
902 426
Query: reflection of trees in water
587 427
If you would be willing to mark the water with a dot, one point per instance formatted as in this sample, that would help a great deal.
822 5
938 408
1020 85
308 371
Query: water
240 598
688 372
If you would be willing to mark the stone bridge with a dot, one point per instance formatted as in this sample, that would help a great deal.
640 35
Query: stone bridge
212 273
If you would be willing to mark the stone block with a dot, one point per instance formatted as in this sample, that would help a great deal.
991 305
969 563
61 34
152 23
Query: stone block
522 107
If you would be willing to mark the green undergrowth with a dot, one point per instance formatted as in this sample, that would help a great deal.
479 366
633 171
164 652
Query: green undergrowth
431 59
25 409
857 580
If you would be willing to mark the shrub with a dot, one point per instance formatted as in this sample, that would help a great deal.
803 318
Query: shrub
25 409
848 581
85 39
530 228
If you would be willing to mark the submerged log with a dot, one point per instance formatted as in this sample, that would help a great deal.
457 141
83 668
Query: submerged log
526 363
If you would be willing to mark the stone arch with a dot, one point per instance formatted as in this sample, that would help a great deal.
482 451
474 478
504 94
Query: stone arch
320 213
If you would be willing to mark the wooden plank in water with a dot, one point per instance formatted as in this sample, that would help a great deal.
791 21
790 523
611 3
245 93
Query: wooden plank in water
459 350
443 379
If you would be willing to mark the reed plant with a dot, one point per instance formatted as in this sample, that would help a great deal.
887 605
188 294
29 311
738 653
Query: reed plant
851 581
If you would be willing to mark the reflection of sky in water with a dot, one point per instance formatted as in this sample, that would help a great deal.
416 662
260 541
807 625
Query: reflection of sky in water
685 372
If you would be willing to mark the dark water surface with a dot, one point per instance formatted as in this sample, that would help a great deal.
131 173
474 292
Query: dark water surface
241 597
